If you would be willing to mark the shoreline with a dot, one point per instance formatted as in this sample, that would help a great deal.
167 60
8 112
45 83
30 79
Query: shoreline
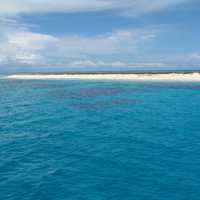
134 76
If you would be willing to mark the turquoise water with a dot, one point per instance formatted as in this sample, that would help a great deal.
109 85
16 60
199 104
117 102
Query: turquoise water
88 140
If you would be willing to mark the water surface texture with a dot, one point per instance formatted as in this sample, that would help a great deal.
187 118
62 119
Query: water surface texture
99 140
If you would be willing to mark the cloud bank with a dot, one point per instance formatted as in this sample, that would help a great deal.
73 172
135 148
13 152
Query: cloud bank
127 7
21 46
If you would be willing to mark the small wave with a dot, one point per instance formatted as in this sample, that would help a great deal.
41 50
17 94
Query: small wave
92 92
104 104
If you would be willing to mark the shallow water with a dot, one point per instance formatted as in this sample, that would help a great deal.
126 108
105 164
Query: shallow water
99 140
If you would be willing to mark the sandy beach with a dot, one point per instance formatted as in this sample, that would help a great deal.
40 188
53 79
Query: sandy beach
151 77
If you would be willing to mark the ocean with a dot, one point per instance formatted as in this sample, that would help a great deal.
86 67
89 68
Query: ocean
99 140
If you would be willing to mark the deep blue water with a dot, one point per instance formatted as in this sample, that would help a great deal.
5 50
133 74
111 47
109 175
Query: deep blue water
87 140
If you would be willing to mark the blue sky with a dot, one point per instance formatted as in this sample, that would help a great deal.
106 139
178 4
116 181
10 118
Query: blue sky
99 34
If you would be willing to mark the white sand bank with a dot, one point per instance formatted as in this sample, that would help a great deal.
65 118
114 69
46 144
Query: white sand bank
150 77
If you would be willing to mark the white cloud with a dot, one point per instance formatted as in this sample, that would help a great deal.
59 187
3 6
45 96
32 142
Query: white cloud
127 7
122 41
24 47
21 46
30 6
194 57
92 63
116 64
138 7
178 59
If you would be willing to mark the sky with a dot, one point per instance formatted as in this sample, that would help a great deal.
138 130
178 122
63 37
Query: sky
99 34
